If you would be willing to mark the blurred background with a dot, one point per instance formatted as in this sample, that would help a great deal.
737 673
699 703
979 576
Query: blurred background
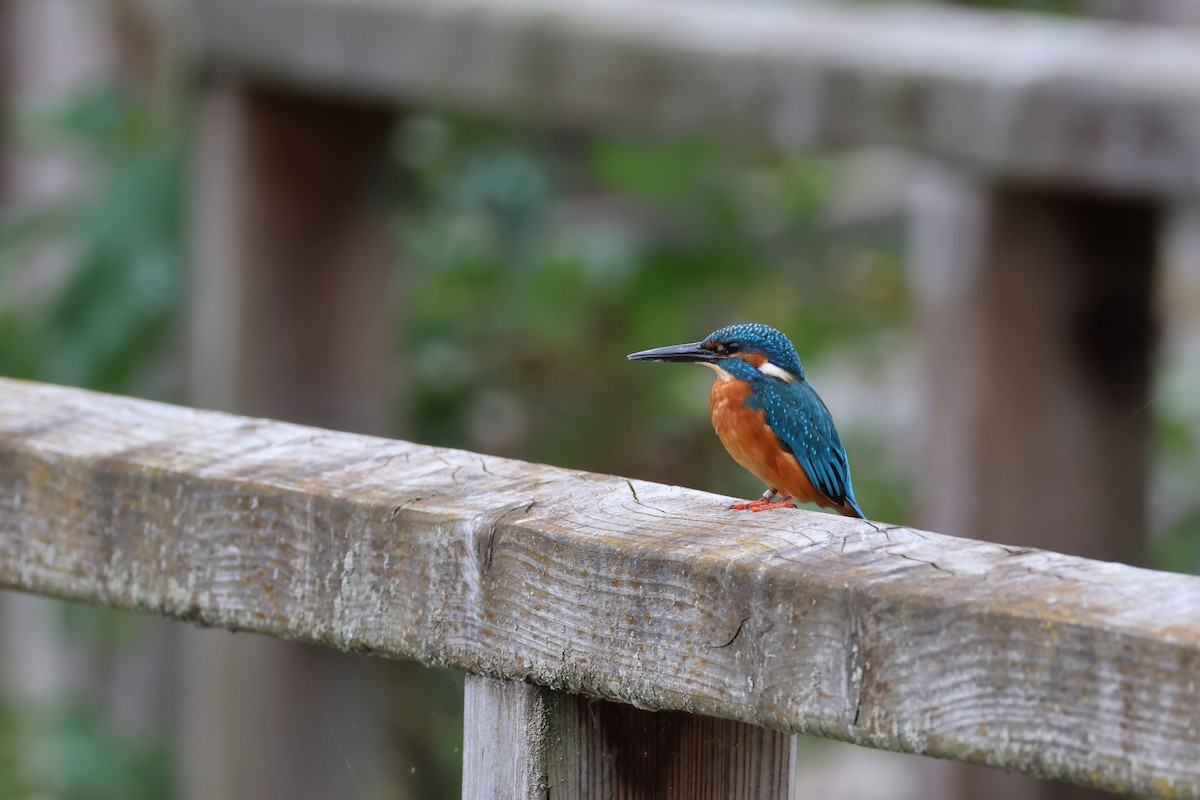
170 231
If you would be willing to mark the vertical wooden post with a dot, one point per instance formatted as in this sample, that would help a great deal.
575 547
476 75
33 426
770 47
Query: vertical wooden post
295 254
1038 330
524 742
290 319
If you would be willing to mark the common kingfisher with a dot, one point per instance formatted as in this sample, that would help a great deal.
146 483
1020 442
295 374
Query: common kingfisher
770 419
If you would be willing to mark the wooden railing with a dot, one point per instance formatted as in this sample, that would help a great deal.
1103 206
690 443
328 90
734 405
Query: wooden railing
1028 98
545 583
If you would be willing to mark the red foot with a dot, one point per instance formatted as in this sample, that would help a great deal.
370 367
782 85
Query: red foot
762 505
779 504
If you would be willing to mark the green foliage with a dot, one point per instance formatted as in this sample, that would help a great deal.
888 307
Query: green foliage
1177 436
666 175
73 754
1059 7
98 324
1179 549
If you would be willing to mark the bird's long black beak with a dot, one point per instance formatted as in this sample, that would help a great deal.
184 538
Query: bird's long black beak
676 352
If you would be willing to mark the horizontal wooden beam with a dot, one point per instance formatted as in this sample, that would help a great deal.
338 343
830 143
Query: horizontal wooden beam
593 584
1156 12
1039 99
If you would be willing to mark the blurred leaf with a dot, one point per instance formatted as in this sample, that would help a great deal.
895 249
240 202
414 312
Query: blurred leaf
1057 7
122 291
670 174
72 754
1179 549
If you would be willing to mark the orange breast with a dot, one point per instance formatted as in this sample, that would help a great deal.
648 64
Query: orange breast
752 443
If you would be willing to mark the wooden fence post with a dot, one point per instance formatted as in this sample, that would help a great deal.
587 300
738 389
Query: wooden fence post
526 742
1038 329
295 257
290 319
1038 326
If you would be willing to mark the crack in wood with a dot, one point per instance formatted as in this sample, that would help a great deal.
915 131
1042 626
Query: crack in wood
736 634
856 662
494 523
1048 573
886 530
933 564
637 500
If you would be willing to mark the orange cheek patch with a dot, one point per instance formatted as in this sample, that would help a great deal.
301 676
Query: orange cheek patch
755 360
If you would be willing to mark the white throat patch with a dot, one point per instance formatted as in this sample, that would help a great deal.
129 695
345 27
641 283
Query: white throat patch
721 374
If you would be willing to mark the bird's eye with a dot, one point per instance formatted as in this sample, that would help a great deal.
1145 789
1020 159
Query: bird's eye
733 347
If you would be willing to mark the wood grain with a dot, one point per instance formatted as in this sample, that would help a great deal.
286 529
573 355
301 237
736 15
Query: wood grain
507 740
527 742
593 584
1034 98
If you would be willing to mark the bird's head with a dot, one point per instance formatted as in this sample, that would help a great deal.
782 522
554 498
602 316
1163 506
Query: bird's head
748 351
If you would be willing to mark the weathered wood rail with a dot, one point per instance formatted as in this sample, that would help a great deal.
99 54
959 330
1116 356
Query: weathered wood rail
596 585
1019 96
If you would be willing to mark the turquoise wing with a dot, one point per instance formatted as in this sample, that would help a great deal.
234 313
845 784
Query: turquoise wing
804 426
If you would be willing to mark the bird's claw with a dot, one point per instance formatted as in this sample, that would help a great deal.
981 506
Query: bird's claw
761 505
768 506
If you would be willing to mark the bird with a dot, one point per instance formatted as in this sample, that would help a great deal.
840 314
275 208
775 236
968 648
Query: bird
770 418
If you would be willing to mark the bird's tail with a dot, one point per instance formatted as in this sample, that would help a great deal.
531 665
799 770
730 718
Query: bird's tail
851 509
